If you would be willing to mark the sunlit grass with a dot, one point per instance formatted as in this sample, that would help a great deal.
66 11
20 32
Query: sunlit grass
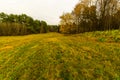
54 56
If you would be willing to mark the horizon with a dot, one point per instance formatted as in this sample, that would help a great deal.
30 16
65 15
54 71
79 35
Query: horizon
45 10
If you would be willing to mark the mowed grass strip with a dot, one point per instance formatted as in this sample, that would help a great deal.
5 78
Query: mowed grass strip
55 56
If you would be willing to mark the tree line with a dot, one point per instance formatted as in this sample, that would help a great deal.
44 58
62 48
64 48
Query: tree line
91 15
13 24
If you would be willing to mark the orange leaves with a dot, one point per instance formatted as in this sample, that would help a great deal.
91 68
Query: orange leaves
78 9
66 22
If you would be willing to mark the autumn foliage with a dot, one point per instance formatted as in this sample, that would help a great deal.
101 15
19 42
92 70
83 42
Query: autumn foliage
91 15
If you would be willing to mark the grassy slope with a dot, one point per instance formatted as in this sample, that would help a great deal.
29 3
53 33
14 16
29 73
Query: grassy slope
53 56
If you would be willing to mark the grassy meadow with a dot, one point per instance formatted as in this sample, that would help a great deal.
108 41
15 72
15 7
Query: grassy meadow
54 56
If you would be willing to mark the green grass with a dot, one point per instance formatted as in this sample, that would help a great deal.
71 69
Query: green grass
53 56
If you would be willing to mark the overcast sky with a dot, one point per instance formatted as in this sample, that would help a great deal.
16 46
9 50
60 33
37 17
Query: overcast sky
48 10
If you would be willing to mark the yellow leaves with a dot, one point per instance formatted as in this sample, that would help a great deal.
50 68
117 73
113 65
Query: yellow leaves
35 46
66 23
108 63
86 48
52 40
6 48
59 55
86 72
78 9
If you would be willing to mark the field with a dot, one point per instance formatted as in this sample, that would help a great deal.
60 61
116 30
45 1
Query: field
54 56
